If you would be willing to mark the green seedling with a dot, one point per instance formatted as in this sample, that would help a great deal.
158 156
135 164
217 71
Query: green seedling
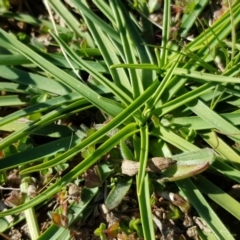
135 225
113 181
174 214
100 231
131 227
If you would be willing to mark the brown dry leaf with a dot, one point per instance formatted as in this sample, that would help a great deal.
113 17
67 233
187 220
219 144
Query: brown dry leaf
60 220
130 167
155 164
74 192
13 178
14 199
92 178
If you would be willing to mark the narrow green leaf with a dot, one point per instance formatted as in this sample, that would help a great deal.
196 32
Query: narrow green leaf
12 100
191 15
198 123
71 21
108 51
165 32
34 81
182 99
143 157
40 123
96 19
123 27
218 196
123 116
41 107
145 209
205 76
78 170
125 151
216 120
147 66
204 209
123 97
39 152
9 41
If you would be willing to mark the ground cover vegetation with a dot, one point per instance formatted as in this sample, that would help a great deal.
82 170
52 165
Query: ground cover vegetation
119 119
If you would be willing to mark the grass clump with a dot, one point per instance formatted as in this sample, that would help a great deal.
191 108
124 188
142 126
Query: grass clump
122 89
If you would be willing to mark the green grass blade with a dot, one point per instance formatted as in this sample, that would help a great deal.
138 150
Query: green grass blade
78 170
129 50
43 121
97 20
143 157
71 21
173 138
216 120
165 32
30 215
105 9
182 99
34 81
92 96
220 29
226 170
220 146
108 52
123 97
133 35
191 16
123 116
40 152
198 123
205 76
13 88
41 107
218 196
51 130
145 210
13 100
204 209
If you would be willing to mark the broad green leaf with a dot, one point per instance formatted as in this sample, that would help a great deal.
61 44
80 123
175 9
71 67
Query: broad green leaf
189 164
117 193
